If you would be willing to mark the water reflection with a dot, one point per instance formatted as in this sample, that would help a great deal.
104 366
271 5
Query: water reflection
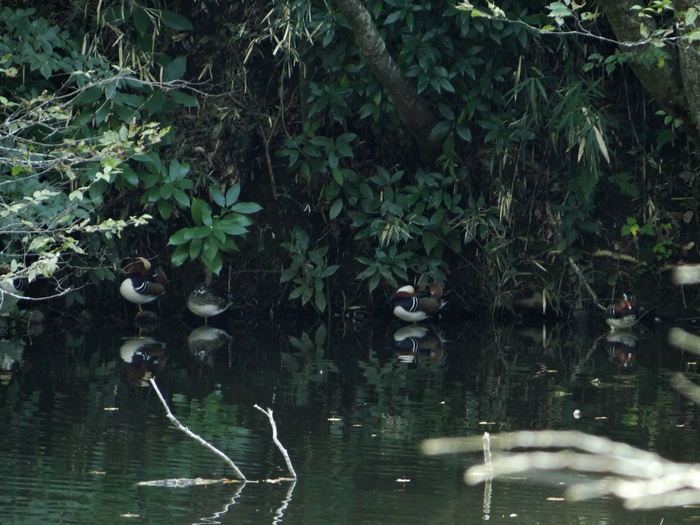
77 437
143 357
418 344
204 342
622 346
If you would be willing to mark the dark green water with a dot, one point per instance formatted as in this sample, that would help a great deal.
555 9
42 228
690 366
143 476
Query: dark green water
80 427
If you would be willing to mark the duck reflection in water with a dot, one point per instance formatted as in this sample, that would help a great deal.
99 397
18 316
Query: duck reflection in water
622 348
143 357
205 341
416 343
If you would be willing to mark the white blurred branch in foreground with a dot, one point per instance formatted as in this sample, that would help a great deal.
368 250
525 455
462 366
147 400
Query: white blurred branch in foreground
643 480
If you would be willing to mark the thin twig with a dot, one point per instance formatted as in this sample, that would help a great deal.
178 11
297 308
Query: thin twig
489 469
582 277
268 413
487 454
194 436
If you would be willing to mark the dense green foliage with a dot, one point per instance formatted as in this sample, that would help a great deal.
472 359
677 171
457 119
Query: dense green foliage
125 114
86 148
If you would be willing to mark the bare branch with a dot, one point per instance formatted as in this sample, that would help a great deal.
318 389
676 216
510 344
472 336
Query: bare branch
268 413
191 434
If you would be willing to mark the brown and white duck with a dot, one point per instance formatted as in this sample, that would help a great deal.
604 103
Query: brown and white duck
411 306
11 288
622 315
142 284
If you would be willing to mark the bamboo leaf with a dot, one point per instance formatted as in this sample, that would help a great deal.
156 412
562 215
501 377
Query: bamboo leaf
601 143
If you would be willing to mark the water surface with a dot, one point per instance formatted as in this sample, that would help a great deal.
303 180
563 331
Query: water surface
81 427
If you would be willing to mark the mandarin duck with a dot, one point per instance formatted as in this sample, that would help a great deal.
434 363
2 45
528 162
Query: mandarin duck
11 288
622 314
142 285
411 306
206 302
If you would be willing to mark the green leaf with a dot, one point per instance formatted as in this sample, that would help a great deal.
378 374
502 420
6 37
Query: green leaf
217 196
332 160
87 96
446 112
165 208
175 20
441 129
177 171
102 113
201 212
230 246
288 274
320 300
154 103
141 20
210 249
46 70
111 89
166 191
330 270
175 70
214 264
128 175
232 194
183 99
393 17
195 248
200 232
336 208
464 132
246 207
181 198
150 159
559 10
374 282
180 255
180 237
232 228
219 234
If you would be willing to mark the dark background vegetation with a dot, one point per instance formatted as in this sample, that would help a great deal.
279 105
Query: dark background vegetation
257 141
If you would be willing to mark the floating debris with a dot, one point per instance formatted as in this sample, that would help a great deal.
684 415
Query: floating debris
184 482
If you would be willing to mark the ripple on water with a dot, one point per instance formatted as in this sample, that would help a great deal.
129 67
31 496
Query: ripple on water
352 422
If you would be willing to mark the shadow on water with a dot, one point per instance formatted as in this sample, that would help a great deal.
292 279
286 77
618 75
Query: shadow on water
81 427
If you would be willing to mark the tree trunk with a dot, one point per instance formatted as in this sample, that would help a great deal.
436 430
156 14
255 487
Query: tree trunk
675 84
413 110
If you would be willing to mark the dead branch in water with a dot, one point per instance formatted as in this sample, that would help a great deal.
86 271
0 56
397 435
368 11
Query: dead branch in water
194 436
268 413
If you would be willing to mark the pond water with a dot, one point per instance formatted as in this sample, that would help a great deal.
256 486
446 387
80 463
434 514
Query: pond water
81 429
